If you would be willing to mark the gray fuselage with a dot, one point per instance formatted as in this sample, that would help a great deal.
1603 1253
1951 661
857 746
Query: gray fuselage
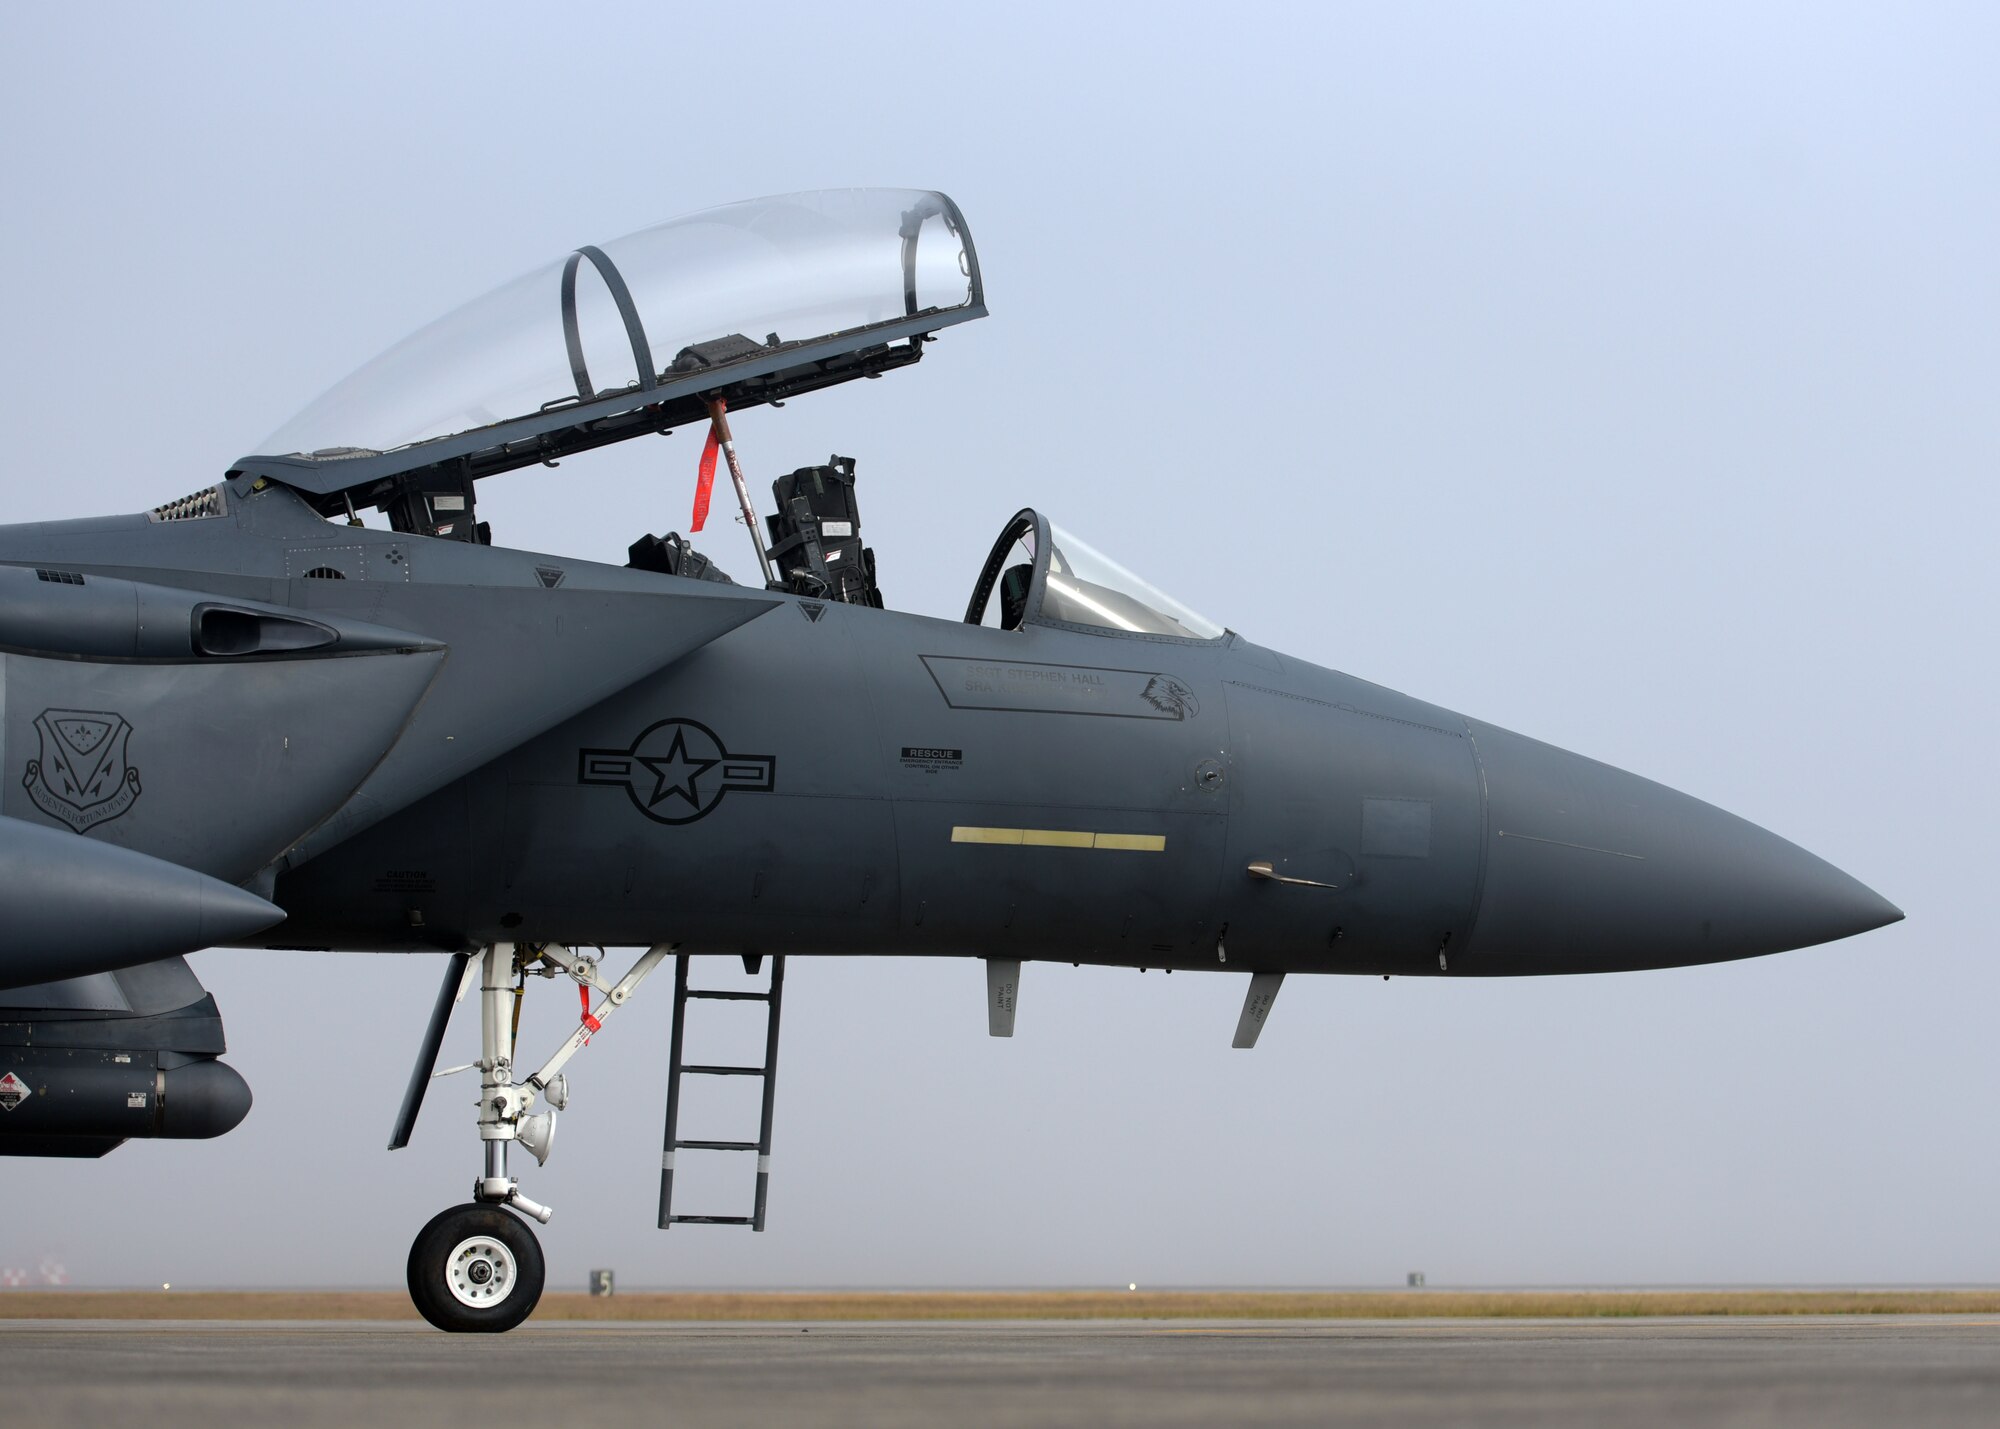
579 753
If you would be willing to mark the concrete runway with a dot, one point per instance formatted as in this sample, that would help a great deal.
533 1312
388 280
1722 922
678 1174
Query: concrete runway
1904 1370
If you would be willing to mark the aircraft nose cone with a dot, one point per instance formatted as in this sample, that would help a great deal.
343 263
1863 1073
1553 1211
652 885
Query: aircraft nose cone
1591 869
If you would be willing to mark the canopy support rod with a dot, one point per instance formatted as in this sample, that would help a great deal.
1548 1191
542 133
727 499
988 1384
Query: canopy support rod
718 414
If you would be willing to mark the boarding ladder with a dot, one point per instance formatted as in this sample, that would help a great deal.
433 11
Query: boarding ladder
773 999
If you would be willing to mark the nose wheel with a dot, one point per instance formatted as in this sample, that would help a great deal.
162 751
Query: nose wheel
476 1268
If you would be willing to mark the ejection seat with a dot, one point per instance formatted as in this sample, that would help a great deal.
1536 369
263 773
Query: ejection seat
1014 595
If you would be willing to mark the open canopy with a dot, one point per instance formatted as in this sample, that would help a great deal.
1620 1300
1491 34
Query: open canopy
752 302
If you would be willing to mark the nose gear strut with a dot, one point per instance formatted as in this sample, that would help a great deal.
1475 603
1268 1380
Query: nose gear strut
475 1267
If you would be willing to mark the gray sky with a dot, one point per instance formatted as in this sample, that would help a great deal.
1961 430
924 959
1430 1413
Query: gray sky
1623 376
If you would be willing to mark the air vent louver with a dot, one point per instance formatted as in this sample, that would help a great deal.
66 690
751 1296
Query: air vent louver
193 507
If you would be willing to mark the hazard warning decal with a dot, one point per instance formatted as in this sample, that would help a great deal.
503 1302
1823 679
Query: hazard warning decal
13 1091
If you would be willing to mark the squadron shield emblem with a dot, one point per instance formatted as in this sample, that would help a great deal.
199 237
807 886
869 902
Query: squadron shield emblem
82 776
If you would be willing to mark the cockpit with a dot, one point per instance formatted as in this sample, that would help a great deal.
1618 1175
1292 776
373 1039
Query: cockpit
756 302
1040 574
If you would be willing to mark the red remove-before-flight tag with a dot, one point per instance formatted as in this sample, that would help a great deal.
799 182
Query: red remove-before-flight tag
704 480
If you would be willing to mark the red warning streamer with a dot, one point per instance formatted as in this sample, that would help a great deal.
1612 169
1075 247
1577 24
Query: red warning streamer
705 475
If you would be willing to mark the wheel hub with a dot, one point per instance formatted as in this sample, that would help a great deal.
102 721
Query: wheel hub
480 1271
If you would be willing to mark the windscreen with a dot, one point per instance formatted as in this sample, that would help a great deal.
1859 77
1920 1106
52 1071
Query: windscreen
772 272
1087 587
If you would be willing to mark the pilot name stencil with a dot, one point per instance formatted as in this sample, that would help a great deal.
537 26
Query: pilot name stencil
1061 689
81 775
677 771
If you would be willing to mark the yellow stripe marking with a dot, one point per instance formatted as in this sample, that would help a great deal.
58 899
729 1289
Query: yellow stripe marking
964 834
1059 838
1139 843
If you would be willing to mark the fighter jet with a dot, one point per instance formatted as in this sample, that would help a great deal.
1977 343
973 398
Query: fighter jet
314 705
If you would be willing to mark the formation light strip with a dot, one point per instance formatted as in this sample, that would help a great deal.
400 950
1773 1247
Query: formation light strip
1059 838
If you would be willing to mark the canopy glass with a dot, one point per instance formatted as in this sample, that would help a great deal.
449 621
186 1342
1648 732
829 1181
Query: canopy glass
719 287
1086 587
1038 573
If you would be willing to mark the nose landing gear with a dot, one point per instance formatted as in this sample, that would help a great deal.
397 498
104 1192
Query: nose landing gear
478 1267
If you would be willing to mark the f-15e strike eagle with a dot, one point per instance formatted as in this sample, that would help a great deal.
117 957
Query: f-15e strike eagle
248 717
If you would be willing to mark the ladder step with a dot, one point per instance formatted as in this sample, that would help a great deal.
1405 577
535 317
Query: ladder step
773 998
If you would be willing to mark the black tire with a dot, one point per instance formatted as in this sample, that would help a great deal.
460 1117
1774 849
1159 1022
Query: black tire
467 1254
